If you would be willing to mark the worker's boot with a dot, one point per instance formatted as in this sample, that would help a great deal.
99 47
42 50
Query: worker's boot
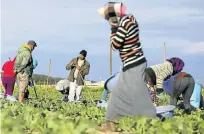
21 97
188 108
107 127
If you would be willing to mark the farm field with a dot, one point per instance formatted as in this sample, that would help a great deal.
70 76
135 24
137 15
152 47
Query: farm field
48 115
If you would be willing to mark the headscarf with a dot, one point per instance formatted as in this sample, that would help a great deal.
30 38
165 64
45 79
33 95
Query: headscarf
177 64
112 12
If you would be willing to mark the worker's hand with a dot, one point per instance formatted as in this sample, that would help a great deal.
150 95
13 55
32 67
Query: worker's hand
112 24
74 65
78 67
159 90
114 29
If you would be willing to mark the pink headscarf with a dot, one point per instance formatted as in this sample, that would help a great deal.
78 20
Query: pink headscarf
122 10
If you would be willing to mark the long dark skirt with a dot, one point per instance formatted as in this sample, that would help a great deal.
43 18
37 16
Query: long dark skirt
131 96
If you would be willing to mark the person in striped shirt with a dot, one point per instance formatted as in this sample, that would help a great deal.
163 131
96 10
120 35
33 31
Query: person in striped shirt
157 74
130 97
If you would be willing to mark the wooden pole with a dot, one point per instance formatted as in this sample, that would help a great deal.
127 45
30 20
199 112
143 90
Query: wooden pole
164 51
110 60
48 73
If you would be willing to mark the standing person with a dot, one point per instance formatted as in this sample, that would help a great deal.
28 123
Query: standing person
130 97
30 83
79 68
8 77
24 66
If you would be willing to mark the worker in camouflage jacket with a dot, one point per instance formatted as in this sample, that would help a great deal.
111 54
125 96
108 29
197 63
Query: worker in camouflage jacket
24 66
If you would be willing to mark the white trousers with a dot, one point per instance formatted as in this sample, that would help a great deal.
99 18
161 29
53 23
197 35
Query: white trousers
74 90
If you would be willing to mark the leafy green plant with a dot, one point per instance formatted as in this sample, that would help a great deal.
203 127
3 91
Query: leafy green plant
48 115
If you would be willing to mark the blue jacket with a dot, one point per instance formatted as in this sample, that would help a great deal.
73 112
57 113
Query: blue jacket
196 96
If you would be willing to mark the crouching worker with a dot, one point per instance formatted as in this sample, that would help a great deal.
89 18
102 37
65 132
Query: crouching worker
157 74
24 67
111 83
63 87
79 68
184 84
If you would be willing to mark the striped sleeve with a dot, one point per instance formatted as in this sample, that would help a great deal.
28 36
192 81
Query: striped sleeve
118 38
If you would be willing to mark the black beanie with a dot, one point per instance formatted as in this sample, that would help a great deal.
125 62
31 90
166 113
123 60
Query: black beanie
83 52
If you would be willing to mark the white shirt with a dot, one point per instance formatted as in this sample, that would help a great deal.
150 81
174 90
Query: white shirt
80 63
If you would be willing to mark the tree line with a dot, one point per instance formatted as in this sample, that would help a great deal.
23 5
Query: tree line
42 79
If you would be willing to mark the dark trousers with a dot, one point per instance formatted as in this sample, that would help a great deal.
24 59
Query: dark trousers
8 83
184 86
202 102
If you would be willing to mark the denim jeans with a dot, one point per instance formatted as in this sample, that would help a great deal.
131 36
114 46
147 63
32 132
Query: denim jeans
109 85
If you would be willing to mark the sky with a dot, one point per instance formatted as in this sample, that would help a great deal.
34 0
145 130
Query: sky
63 28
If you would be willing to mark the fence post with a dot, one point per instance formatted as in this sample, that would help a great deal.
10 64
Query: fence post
48 73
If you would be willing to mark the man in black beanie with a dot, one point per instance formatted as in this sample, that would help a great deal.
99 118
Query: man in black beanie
79 68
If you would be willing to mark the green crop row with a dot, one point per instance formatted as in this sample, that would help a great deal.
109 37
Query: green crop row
48 115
